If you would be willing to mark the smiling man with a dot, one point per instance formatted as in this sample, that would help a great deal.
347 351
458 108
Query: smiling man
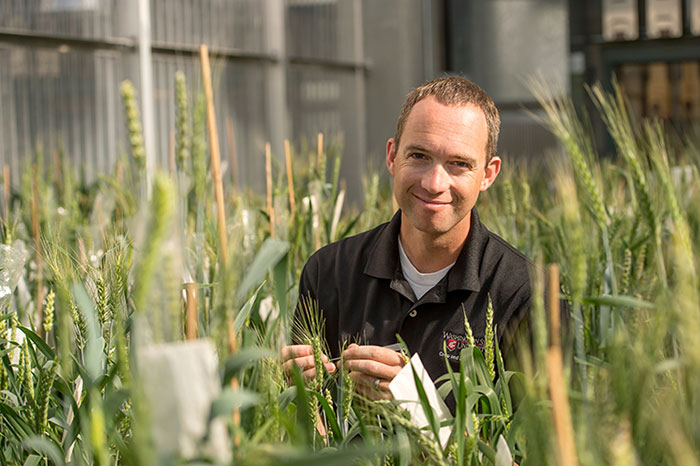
434 262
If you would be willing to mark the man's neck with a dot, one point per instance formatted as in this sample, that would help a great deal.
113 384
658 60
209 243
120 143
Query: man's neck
430 253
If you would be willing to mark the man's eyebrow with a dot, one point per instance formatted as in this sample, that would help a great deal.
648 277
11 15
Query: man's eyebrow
416 148
411 148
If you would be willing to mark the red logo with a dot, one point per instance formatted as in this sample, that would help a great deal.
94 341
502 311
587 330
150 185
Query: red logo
451 344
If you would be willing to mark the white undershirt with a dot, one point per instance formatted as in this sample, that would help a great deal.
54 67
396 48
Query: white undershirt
420 282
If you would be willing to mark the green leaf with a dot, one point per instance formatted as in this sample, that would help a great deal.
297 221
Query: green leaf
489 452
330 416
280 285
336 457
427 409
45 448
244 359
287 396
302 405
32 460
6 351
269 254
618 301
230 400
38 342
21 428
460 409
243 314
94 352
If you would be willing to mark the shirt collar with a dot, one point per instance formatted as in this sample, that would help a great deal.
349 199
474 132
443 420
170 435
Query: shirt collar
384 257
464 275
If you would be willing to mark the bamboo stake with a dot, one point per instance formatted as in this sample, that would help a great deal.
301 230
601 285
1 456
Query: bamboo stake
6 190
191 316
232 152
38 316
219 191
555 373
120 172
290 178
319 149
268 181
214 152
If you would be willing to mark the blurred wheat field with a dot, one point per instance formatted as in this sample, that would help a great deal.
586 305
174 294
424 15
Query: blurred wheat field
135 330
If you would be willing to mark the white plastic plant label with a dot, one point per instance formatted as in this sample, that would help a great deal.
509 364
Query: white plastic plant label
12 260
503 456
403 387
180 381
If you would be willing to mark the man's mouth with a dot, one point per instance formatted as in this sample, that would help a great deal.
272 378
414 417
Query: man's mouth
432 202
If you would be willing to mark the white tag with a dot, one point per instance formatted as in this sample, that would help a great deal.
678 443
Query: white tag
503 456
403 387
181 380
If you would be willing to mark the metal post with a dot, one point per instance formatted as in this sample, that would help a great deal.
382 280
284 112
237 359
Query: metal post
428 61
277 113
146 77
360 102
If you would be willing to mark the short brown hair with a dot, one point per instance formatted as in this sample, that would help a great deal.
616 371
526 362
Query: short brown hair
457 91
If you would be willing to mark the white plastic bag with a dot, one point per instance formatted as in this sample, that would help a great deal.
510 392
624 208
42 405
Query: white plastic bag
12 260
180 382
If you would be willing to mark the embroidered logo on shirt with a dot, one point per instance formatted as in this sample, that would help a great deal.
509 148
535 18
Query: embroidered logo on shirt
455 343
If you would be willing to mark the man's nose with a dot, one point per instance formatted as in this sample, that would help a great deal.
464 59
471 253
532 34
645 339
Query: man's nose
435 179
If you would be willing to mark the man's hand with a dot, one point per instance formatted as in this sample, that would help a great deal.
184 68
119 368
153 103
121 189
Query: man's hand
372 368
303 357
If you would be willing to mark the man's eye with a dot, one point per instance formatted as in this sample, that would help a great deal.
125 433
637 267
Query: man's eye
461 164
417 156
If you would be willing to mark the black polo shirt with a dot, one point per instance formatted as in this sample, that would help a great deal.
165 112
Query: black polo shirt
364 297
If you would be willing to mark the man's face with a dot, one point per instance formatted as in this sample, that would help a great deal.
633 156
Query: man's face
440 167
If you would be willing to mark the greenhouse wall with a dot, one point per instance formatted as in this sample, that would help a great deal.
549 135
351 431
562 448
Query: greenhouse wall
281 69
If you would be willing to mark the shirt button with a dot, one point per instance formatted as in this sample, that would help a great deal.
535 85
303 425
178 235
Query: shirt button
413 313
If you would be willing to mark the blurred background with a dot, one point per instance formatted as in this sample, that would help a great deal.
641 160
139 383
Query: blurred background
293 68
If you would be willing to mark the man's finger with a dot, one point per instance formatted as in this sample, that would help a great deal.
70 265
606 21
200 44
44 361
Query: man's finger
372 368
371 387
374 353
295 351
302 362
306 365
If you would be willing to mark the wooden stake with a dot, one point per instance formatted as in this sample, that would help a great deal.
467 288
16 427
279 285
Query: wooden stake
6 191
38 315
232 152
214 151
219 191
319 149
268 181
290 178
555 373
191 316
120 172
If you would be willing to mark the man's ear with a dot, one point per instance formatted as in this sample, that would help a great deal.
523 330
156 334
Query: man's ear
391 155
490 172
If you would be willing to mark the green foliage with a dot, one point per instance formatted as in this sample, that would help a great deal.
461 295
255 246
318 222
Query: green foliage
625 234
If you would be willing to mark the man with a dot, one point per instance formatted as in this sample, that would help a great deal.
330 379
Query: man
434 262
